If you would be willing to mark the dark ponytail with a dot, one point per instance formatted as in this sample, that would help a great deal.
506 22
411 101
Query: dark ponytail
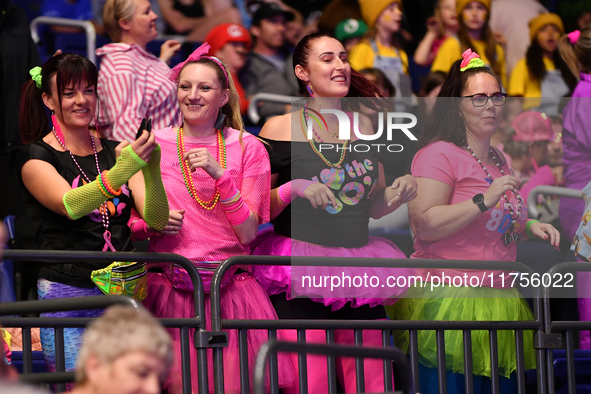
69 69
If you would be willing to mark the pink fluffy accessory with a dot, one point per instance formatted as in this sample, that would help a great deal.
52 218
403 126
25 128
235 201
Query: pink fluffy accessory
470 60
573 36
197 54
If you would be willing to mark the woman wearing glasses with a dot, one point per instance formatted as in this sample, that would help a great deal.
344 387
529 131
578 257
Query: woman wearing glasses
468 207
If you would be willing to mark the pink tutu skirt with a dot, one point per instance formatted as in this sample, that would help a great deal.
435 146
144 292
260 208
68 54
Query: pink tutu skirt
334 286
241 298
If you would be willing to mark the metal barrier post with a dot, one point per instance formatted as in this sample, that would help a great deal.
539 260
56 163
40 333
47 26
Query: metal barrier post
87 26
203 339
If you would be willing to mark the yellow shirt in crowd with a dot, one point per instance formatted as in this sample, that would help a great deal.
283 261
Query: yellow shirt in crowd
521 84
450 51
362 55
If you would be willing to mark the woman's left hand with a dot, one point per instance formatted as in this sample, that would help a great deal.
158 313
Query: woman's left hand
168 50
545 232
201 158
407 189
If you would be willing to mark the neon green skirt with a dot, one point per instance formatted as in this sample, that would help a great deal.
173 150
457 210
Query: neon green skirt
465 304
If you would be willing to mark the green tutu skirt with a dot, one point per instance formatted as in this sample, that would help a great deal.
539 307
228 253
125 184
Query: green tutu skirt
465 304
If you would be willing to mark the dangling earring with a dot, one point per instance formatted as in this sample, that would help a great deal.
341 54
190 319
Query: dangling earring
309 90
219 122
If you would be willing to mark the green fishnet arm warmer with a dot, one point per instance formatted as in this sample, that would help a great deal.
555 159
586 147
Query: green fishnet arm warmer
156 204
83 200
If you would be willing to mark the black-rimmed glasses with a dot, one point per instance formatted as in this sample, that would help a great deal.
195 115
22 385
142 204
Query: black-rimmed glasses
480 100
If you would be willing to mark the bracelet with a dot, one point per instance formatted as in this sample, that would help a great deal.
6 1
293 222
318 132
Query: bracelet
107 185
102 187
527 227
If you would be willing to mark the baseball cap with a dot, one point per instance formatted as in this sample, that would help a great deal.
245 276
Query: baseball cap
269 10
350 28
225 33
532 126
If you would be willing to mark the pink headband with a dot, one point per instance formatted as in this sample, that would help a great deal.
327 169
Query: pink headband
197 54
573 36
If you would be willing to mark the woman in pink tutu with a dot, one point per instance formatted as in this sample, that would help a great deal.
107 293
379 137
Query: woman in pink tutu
321 202
218 180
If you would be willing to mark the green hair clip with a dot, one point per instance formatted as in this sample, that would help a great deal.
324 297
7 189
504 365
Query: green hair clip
470 60
36 76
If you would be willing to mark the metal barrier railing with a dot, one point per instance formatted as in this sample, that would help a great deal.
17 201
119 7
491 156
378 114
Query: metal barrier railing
385 326
270 349
253 106
558 191
554 329
548 333
202 339
87 26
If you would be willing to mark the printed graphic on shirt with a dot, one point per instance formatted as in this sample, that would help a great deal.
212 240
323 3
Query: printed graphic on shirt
349 183
114 205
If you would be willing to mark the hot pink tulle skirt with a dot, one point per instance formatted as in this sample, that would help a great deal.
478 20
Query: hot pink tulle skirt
334 286
241 298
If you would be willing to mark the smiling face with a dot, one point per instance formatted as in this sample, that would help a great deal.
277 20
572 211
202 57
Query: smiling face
328 71
390 18
200 94
548 38
481 122
474 15
135 372
141 27
78 104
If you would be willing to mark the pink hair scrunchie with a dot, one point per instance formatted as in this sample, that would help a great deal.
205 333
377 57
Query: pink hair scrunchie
573 36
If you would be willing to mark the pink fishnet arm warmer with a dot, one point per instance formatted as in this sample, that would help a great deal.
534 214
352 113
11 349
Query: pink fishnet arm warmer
234 207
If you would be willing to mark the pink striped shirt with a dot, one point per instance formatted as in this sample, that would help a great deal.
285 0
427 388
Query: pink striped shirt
132 85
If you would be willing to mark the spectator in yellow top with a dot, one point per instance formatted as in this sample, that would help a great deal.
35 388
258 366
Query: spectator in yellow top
475 33
542 73
381 48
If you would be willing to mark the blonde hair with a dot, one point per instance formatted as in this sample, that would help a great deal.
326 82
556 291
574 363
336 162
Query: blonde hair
122 329
232 108
577 56
113 12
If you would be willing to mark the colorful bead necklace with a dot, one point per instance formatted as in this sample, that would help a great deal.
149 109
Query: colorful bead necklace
103 209
303 123
186 171
514 212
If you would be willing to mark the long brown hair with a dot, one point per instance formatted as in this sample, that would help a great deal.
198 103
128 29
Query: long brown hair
69 69
445 122
534 59
360 86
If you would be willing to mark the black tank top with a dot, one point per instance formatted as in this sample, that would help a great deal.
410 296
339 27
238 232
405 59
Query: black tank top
57 232
345 225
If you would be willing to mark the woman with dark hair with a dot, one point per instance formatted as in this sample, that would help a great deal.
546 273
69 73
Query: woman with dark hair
321 202
543 73
80 188
474 32
468 208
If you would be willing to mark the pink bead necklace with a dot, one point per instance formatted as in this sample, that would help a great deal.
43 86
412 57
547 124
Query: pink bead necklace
514 212
103 209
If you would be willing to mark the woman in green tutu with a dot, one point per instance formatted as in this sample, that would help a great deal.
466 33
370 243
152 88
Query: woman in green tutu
468 207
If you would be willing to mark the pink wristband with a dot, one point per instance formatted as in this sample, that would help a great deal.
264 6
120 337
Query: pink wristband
299 186
233 205
139 229
285 193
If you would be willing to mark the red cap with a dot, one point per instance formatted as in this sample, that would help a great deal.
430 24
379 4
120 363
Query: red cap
225 33
532 126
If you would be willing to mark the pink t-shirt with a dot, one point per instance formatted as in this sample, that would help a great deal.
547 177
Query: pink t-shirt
207 235
483 239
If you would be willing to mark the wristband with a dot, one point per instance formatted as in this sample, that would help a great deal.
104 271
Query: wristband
233 205
299 186
527 227
285 193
